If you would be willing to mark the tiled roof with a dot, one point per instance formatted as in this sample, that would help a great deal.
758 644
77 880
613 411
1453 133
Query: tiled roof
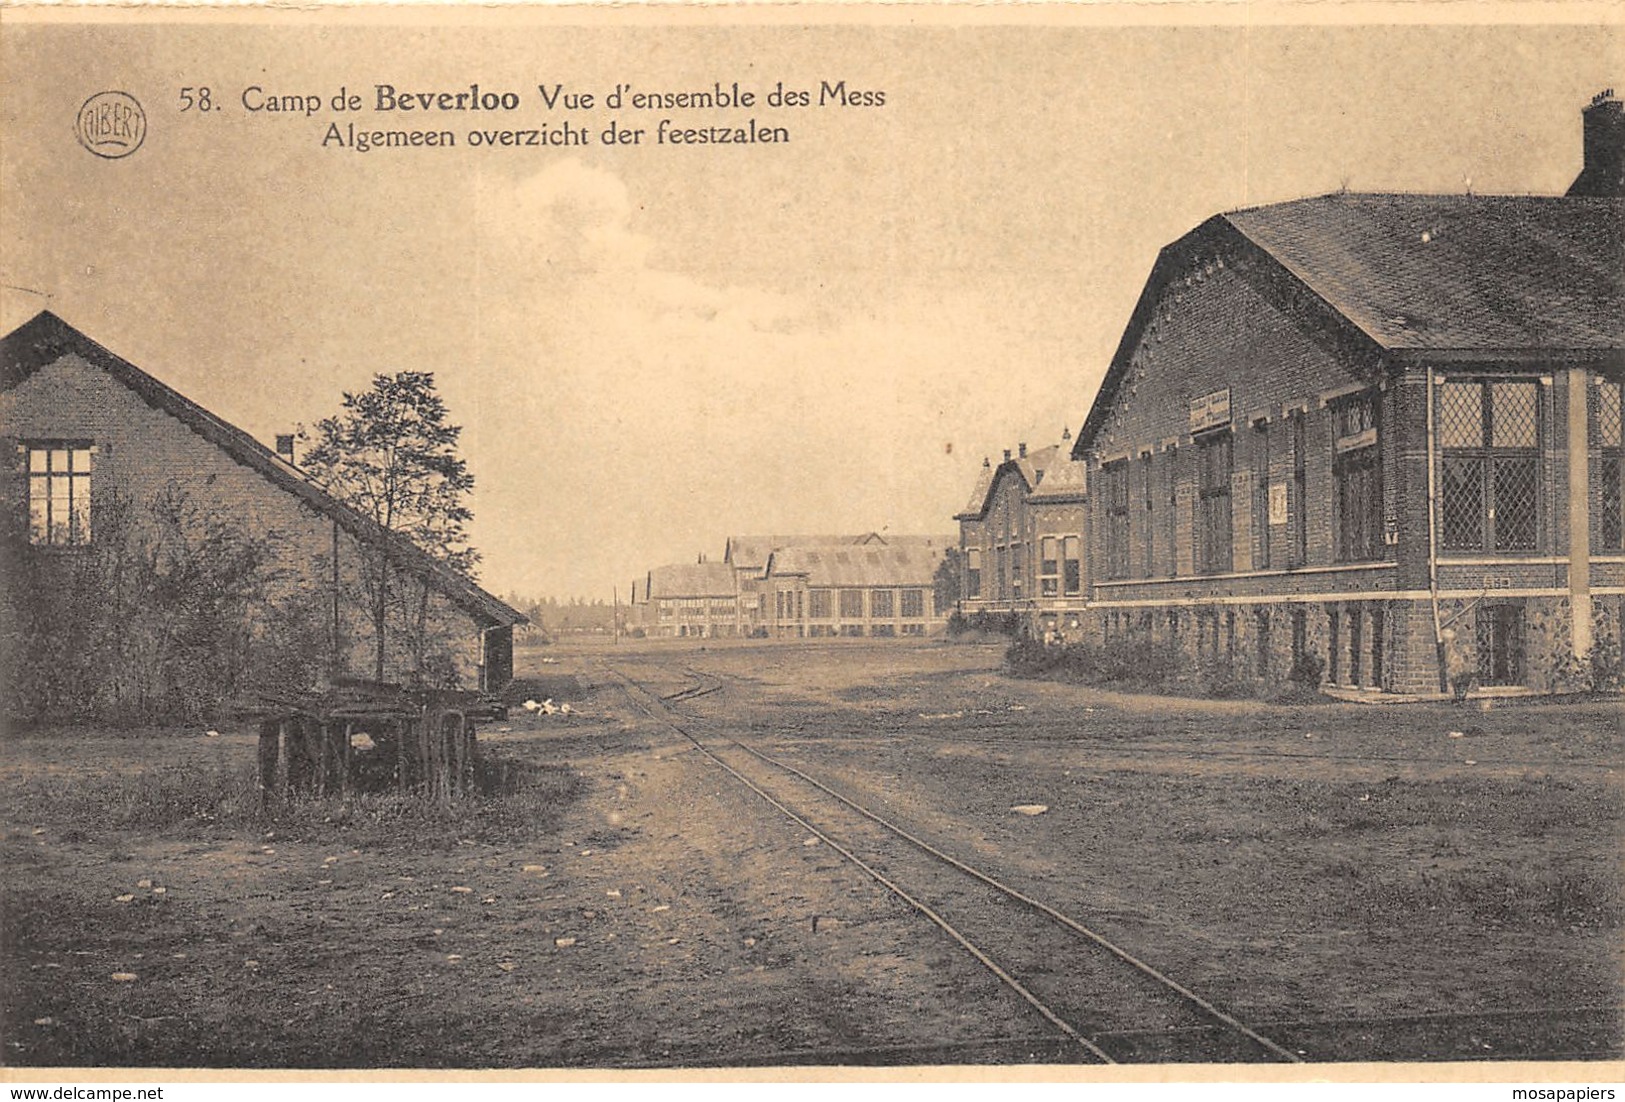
1457 272
46 338
1503 277
694 579
858 566
1064 479
1035 469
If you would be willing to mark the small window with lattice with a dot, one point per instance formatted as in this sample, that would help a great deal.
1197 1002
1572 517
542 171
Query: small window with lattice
1607 464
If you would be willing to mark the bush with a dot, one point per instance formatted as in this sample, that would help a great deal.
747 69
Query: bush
1135 663
1599 671
1307 670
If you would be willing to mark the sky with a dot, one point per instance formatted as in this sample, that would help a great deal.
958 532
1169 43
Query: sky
652 348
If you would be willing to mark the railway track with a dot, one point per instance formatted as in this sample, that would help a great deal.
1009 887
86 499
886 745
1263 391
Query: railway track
1105 1004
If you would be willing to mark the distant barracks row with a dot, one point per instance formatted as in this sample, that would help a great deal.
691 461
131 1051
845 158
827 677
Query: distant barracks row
1375 429
798 587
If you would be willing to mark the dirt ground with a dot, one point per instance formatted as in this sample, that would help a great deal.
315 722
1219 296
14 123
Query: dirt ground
633 907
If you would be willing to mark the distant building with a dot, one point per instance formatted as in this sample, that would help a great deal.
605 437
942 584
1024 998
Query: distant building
1299 381
856 591
100 455
1022 540
688 601
806 586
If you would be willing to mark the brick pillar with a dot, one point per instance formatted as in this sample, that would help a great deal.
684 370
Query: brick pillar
1579 512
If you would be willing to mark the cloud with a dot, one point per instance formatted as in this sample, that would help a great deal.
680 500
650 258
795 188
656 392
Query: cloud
642 414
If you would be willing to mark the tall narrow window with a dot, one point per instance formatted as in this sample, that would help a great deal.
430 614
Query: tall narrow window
1116 505
1213 504
1607 468
1489 468
973 573
1148 517
1261 639
1334 643
59 494
1072 565
1298 507
1358 474
1049 566
1261 494
1172 463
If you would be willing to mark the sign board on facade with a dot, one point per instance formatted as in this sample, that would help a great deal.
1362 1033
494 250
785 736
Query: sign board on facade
1210 410
1278 503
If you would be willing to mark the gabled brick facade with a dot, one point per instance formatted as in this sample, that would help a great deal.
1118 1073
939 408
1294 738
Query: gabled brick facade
1259 454
138 442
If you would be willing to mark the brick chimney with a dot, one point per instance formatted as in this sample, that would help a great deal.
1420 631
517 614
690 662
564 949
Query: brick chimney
1603 126
1021 450
284 445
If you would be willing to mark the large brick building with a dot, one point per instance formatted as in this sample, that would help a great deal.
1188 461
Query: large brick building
99 455
1296 385
687 601
1021 541
797 587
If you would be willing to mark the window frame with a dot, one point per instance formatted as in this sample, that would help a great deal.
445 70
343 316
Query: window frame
1487 459
78 498
1115 505
1357 474
1215 527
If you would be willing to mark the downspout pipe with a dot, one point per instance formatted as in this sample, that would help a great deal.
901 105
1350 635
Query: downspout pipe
1433 535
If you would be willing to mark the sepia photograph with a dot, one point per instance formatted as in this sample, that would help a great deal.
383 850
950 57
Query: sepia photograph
803 541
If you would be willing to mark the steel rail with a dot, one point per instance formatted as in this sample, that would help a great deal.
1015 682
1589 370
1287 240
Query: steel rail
1191 997
1038 905
1010 981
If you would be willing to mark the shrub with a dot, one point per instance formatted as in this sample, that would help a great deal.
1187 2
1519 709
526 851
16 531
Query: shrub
1307 670
1131 663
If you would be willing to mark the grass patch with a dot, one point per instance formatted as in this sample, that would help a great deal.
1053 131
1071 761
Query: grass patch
515 800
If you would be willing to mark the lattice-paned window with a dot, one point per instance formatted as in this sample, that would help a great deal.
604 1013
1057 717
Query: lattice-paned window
818 604
881 603
1489 467
1049 566
59 494
852 604
912 604
1115 499
1213 457
1607 465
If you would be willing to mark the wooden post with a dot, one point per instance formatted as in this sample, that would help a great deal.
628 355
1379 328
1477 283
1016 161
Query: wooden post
346 759
270 747
296 754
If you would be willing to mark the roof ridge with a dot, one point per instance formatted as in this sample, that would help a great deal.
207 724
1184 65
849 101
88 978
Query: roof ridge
48 329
